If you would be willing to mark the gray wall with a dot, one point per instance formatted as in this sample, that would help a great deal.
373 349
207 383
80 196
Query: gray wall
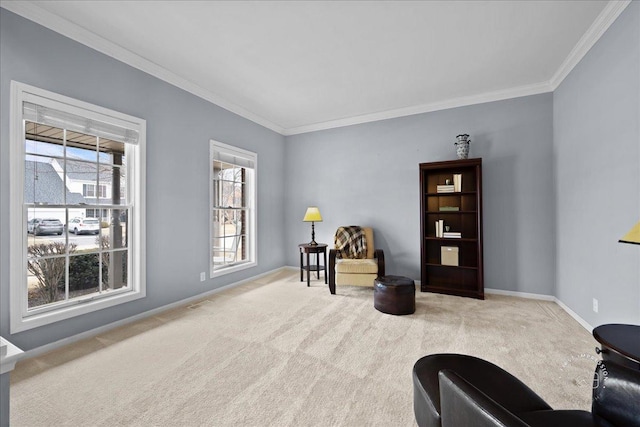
179 127
597 155
368 175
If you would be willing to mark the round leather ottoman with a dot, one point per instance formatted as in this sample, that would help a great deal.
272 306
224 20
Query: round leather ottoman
394 295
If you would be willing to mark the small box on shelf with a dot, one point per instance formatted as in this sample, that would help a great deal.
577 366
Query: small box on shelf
449 255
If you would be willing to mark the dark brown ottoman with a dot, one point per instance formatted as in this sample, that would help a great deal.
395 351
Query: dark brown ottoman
394 295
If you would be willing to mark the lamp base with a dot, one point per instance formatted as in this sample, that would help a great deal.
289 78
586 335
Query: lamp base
313 236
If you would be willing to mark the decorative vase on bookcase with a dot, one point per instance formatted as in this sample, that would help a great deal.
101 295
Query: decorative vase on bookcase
462 146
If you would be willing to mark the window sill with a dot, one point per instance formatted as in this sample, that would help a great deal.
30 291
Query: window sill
232 269
82 307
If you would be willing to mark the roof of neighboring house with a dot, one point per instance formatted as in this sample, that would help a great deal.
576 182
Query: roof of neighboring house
42 184
83 171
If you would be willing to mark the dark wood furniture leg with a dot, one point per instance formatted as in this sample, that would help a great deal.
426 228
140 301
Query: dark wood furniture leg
308 270
325 267
332 271
301 267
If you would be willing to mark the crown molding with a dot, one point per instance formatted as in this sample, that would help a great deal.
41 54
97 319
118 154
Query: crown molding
35 13
608 15
499 95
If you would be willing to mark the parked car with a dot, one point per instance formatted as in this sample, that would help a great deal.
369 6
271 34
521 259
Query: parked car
84 226
38 226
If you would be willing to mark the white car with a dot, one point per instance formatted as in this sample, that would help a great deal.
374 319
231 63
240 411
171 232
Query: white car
84 225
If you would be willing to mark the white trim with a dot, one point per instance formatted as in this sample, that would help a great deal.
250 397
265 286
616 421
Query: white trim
140 316
609 14
35 13
9 356
20 318
542 297
498 95
575 316
520 294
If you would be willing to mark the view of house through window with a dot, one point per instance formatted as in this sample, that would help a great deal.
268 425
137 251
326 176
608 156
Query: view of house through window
73 250
77 199
233 212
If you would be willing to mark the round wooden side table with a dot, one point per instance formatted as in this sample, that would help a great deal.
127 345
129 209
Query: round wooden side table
620 344
306 248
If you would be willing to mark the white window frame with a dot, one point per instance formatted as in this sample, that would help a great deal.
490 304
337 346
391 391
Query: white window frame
20 317
252 208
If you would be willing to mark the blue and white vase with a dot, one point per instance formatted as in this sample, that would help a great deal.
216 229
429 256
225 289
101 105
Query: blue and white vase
462 146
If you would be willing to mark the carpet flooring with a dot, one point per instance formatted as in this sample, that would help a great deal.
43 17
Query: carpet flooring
274 352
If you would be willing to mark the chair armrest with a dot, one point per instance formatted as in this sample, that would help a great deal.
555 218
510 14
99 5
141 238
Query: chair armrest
615 387
462 404
332 271
379 255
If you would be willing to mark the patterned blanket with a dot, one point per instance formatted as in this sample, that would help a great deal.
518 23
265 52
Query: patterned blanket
350 242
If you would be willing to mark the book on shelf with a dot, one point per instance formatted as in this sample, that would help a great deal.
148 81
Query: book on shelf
449 208
447 188
452 235
457 182
439 227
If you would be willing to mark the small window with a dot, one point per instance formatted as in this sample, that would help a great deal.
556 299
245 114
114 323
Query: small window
233 209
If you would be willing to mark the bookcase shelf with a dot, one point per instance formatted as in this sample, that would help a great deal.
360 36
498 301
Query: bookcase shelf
465 276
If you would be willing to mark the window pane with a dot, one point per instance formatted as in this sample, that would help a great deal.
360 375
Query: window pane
115 236
45 276
44 140
112 184
114 270
84 233
82 181
43 181
44 225
111 151
238 195
84 271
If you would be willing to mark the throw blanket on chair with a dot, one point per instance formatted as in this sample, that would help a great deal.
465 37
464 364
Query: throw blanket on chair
350 242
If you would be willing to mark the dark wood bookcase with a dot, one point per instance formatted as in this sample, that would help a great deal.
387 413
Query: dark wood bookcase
460 211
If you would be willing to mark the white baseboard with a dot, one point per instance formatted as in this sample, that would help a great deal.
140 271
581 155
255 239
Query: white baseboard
573 314
101 329
520 294
542 297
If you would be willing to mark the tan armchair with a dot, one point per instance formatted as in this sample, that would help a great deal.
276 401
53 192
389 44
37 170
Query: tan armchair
357 272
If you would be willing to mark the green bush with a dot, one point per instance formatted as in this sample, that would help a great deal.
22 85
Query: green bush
83 271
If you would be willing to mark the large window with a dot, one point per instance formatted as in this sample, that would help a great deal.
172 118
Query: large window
77 239
233 208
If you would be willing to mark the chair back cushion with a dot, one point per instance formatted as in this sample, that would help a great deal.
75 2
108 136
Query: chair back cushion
371 247
354 242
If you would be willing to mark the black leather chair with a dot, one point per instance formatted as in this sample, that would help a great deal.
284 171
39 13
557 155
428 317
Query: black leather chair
454 390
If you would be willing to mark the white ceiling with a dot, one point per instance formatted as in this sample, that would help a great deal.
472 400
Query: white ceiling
300 66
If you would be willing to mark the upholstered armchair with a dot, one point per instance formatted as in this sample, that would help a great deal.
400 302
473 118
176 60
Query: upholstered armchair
455 390
355 271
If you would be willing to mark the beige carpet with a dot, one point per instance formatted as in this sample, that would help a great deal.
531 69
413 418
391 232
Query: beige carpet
276 353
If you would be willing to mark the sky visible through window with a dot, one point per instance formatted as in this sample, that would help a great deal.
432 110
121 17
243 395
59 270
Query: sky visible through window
55 150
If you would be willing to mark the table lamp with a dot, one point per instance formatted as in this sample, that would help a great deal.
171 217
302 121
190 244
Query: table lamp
633 236
312 215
